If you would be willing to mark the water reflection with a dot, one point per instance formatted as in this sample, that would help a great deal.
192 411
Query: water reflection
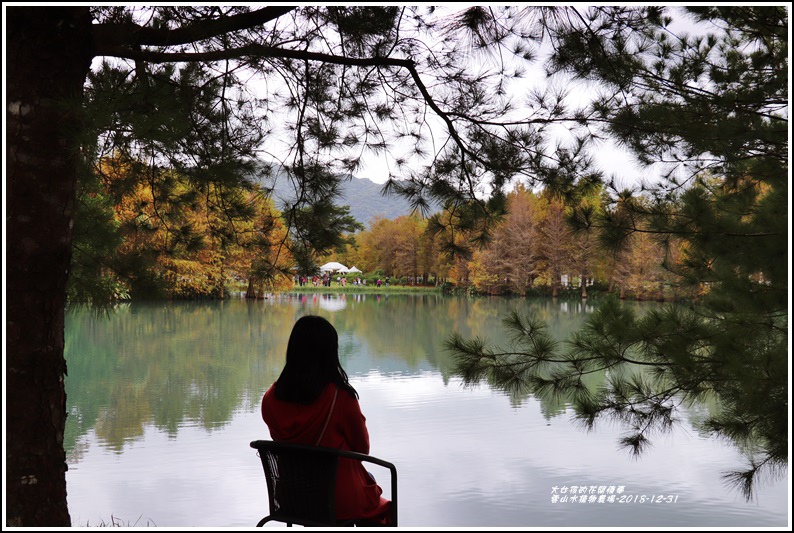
164 364
164 398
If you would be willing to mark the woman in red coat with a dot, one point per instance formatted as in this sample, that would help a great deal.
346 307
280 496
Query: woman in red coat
313 403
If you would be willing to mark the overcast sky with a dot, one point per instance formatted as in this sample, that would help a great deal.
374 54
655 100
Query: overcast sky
611 159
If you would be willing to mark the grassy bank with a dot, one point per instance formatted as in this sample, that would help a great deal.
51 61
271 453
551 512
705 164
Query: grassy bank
383 289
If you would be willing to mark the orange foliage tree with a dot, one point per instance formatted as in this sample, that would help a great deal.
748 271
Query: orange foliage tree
510 261
182 241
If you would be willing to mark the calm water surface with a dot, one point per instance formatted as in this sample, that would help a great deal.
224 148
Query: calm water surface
163 400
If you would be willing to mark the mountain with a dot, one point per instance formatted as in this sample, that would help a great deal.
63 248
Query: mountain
366 201
363 196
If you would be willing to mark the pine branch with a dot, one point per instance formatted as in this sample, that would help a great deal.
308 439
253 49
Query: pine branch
119 40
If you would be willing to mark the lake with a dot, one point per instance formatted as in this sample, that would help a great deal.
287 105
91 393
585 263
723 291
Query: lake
163 400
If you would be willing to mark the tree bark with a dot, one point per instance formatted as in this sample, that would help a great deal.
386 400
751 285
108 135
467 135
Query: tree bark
250 292
49 55
222 286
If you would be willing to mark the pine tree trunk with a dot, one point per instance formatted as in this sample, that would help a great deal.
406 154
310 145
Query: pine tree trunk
48 54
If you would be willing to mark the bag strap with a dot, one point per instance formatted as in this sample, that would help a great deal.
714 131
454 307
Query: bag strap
328 418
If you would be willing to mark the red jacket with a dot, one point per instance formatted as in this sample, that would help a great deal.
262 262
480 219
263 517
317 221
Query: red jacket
357 494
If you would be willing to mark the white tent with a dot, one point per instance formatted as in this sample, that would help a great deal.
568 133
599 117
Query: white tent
330 302
333 266
353 270
343 270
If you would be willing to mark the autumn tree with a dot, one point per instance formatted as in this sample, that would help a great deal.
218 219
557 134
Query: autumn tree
169 239
407 261
428 258
555 241
455 232
585 251
377 246
259 254
510 261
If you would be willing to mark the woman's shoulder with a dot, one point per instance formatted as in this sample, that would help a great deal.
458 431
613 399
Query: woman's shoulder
270 392
346 398
269 397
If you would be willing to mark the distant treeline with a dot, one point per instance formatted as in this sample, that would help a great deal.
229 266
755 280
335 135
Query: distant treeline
161 238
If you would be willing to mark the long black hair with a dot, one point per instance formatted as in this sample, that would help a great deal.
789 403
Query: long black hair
312 362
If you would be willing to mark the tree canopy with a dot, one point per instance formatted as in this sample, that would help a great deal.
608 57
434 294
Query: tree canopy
712 107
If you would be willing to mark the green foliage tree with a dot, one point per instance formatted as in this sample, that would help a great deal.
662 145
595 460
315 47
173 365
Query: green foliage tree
97 236
713 108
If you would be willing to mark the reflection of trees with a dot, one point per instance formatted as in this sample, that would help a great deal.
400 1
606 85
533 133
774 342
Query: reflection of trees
390 328
412 329
561 318
168 365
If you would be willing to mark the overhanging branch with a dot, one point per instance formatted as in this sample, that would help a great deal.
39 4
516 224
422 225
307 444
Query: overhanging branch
109 39
129 42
